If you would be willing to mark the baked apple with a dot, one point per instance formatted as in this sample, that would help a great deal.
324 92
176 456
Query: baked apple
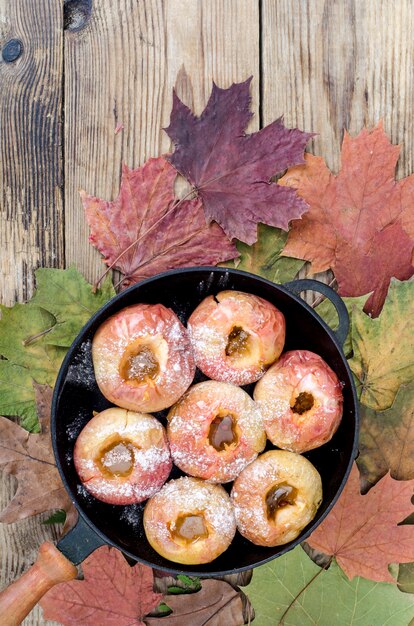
190 521
142 357
301 401
214 431
236 336
122 457
275 497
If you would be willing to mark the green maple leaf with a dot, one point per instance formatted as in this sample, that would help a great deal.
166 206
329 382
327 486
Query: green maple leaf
17 395
71 300
34 337
406 577
323 597
263 258
23 341
384 347
386 440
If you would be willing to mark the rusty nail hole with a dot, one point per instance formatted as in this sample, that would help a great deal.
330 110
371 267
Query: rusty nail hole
76 14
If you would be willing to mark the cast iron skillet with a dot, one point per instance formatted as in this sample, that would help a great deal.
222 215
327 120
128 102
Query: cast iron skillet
76 396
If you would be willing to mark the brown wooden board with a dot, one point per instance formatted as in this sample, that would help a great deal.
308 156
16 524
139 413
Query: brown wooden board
31 210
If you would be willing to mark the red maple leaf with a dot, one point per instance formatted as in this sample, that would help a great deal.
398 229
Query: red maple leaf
360 222
144 231
111 594
230 170
362 532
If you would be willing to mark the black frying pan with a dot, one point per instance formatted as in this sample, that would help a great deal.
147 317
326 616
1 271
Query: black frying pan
76 396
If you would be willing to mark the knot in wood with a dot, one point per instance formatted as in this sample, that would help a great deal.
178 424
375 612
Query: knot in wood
12 50
76 14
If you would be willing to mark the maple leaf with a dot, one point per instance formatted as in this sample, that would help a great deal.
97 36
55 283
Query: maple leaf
361 532
383 348
216 603
359 221
111 594
264 259
386 440
293 591
23 331
17 395
70 299
30 458
34 337
143 232
230 170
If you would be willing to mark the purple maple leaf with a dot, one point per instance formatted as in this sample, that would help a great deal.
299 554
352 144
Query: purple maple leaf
230 170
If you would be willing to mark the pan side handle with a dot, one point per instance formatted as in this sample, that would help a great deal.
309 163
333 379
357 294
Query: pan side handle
79 542
53 565
49 569
303 284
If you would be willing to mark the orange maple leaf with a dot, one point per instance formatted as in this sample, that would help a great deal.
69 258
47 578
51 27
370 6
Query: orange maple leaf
360 223
113 593
362 532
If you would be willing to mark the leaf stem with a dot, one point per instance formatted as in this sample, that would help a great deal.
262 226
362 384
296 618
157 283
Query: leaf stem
33 338
325 567
174 206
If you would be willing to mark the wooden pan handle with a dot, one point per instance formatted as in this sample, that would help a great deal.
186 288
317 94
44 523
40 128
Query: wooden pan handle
50 568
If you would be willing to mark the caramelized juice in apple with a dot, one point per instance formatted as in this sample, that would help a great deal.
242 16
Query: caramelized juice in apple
222 433
237 342
190 528
279 496
117 458
139 366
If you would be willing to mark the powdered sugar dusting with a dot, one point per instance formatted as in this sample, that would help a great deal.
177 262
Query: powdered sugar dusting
297 372
144 326
211 324
252 486
189 425
140 445
186 496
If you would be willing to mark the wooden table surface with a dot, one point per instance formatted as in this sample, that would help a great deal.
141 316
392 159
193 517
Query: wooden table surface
85 66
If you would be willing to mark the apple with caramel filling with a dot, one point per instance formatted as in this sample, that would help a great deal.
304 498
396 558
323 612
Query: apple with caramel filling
275 497
301 401
190 521
122 457
214 431
142 358
236 336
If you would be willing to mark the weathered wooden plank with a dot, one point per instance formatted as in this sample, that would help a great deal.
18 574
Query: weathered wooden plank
339 64
120 69
19 544
31 220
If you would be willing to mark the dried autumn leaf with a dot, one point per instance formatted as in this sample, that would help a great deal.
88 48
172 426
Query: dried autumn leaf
359 222
386 440
230 170
383 348
111 594
292 591
361 532
216 604
30 458
264 257
144 232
